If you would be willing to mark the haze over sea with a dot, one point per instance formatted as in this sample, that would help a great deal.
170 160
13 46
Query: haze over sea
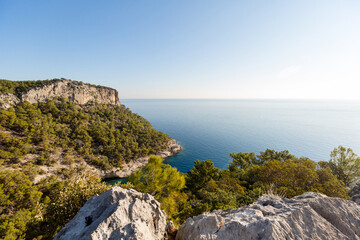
211 129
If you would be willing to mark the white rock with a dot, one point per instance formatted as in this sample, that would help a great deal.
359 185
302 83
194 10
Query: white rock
308 216
117 214
7 100
76 92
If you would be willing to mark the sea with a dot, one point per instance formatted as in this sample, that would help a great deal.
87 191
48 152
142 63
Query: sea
212 129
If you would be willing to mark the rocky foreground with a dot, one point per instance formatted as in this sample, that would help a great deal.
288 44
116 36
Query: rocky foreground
128 214
308 216
117 214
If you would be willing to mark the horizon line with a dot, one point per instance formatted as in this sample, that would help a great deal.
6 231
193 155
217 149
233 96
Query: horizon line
261 99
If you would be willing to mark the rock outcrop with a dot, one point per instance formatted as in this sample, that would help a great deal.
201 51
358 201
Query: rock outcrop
7 100
77 92
173 147
117 214
308 216
354 193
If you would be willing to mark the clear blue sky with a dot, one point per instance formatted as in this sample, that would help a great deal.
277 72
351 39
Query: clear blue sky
187 49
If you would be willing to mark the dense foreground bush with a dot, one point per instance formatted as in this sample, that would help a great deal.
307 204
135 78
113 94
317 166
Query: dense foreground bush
30 211
247 177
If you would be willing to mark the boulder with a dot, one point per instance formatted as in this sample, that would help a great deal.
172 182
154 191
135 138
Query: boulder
117 214
354 193
308 216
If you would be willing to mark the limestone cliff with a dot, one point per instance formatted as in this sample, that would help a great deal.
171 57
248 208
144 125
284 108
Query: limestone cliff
77 92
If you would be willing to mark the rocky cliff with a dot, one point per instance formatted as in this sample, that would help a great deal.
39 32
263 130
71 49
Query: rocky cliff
117 214
308 216
77 92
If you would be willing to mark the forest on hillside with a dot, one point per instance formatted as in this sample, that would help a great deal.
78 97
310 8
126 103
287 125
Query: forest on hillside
104 136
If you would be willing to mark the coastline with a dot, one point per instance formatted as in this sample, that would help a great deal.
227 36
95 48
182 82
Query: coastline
173 147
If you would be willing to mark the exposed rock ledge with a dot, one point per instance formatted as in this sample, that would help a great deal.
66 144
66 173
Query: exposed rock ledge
117 214
173 147
76 92
308 216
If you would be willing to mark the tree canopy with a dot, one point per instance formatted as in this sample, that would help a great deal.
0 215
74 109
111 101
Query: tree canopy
345 165
102 135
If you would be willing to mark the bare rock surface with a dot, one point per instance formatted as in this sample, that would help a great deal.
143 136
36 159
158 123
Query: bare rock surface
354 193
117 214
76 92
7 100
308 216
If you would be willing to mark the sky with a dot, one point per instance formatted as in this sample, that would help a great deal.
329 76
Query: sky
187 49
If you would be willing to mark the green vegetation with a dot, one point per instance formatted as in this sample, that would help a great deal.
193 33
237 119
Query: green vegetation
38 211
345 164
18 87
162 181
247 177
30 211
36 136
102 135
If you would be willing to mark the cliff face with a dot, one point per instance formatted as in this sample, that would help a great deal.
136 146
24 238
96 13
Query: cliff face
76 92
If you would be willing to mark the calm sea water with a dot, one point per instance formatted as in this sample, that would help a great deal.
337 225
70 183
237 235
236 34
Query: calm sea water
211 129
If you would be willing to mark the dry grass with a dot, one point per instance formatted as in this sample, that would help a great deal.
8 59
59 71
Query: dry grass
271 193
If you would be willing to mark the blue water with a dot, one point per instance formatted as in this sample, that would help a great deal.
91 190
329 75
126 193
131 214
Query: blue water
211 129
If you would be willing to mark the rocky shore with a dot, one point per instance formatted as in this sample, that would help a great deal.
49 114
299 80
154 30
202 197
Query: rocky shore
173 147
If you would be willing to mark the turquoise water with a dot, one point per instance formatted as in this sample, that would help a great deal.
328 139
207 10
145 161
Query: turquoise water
114 181
211 129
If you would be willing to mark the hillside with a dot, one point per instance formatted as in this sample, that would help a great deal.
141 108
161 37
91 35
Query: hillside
56 125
